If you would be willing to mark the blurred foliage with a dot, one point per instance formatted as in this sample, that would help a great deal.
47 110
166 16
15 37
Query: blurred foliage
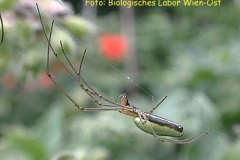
190 54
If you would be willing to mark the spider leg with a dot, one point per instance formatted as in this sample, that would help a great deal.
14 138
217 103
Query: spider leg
88 89
142 116
79 80
2 29
106 108
151 111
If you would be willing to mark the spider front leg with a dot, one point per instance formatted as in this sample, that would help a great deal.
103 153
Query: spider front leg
50 48
85 86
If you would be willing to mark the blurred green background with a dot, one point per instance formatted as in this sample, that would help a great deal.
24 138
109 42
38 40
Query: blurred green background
190 54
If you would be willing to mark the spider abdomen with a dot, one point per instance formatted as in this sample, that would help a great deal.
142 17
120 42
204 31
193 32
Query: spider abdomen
161 126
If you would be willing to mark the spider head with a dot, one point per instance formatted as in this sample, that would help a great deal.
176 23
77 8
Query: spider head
124 99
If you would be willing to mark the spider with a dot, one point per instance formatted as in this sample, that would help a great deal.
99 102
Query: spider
147 122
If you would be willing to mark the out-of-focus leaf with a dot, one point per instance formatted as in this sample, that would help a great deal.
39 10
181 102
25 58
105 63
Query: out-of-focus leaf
233 152
19 139
48 129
